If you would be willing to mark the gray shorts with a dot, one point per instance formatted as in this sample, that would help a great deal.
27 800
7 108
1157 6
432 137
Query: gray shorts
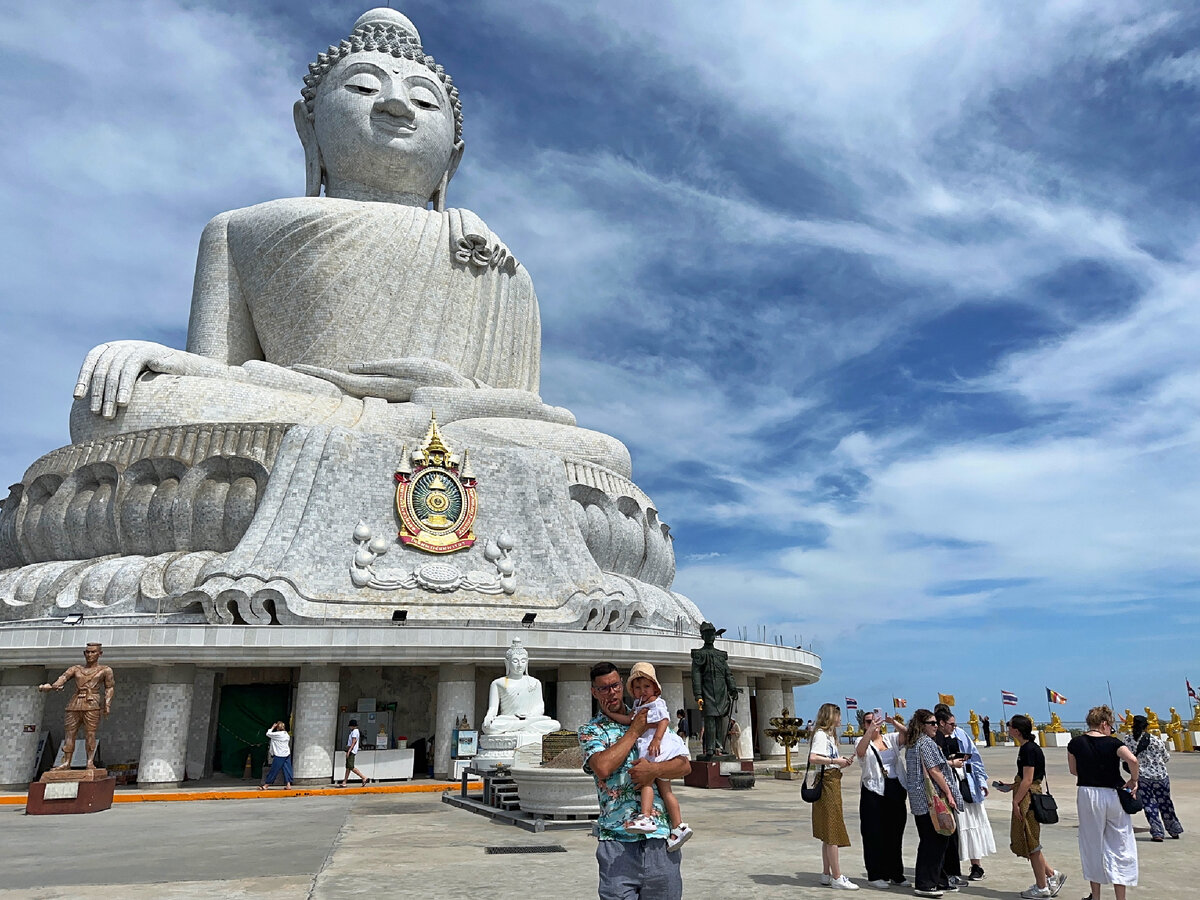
639 870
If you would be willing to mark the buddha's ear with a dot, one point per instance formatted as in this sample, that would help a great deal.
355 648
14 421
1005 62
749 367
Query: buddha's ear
312 152
439 196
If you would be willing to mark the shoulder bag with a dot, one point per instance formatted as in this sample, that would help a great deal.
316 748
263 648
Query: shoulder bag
1045 807
812 794
939 810
1129 802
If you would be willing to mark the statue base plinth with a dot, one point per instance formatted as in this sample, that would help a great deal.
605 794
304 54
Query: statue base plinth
785 775
708 774
62 775
1057 738
63 797
503 749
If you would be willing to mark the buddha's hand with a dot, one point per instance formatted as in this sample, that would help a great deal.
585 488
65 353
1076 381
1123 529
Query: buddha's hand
110 371
393 380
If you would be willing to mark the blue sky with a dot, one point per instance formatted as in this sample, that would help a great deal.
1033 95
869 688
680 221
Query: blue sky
895 306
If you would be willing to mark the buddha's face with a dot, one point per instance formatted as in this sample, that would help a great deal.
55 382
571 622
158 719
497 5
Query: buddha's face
518 664
384 123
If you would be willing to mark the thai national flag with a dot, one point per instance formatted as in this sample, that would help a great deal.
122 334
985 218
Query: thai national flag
1191 690
1054 697
851 703
1008 698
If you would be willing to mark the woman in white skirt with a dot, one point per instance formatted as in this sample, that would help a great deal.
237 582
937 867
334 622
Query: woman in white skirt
975 838
1107 852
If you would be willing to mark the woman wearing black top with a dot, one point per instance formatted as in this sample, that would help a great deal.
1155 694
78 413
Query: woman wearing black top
1107 852
1025 834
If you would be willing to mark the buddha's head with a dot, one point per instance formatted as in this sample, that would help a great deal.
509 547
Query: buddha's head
380 120
516 660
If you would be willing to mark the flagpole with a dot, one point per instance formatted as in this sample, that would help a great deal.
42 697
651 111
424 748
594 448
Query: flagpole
1111 705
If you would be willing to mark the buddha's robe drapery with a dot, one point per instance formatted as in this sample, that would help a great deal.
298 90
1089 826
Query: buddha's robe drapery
331 282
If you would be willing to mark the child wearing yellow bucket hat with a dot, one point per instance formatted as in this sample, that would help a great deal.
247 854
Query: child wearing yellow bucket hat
657 743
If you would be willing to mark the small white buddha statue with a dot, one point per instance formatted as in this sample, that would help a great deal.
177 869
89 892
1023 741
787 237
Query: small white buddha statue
515 703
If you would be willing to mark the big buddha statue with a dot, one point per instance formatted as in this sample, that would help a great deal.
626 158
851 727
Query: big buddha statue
337 343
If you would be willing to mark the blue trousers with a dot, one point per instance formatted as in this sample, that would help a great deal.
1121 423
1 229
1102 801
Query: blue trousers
639 870
280 764
1160 810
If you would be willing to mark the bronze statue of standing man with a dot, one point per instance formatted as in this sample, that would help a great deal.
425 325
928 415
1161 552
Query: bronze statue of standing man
714 690
88 704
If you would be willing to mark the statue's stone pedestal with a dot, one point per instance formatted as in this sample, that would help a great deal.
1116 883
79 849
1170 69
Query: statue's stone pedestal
785 775
712 774
71 791
1057 738
503 749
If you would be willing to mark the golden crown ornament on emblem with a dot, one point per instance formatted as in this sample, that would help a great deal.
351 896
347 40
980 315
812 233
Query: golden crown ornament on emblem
435 496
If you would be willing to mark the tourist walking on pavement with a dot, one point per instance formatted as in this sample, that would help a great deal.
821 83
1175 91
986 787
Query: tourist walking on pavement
922 758
975 838
1154 787
632 866
353 742
882 804
1025 832
281 755
828 823
1107 852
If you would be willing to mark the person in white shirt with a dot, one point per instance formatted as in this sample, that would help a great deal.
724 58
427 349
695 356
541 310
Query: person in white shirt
352 743
281 756
883 801
828 823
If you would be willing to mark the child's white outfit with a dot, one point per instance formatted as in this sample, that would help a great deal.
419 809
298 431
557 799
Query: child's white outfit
672 744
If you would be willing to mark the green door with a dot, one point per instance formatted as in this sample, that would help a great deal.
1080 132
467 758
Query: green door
247 711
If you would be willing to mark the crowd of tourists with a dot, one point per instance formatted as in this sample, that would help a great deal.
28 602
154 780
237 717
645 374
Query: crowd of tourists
930 769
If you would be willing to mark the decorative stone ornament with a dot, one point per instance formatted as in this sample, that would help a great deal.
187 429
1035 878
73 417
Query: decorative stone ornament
435 497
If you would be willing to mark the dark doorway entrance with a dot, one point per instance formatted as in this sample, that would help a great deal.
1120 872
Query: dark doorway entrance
247 711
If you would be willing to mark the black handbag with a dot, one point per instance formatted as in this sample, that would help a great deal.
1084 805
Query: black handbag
812 794
1129 802
1045 807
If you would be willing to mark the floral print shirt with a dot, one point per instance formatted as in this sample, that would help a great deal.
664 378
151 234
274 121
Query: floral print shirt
1152 762
620 798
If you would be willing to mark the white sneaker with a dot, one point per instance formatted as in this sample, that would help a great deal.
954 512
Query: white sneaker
642 825
825 879
678 837
1055 882
842 883
1033 892
879 883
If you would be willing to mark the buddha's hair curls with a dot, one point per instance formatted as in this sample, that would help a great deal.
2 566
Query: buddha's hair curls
383 37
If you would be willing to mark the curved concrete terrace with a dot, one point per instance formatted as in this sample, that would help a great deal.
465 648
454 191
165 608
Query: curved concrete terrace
275 645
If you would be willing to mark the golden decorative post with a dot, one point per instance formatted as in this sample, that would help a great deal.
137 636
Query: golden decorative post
785 730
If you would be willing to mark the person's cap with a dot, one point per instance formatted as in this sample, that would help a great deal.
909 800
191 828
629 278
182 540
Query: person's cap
354 721
642 670
709 626
1141 722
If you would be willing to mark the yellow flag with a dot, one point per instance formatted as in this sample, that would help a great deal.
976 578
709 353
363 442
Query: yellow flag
948 699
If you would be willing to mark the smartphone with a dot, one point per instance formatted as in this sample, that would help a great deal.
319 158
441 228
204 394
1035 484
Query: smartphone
958 756
878 714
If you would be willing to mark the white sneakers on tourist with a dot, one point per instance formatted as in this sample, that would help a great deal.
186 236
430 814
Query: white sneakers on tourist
920 893
1033 892
826 879
842 883
642 825
678 837
879 883
1055 882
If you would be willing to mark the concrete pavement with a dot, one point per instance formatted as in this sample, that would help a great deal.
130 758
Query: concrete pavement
750 844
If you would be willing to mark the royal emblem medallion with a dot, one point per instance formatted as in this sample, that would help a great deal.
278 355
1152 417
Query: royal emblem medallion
435 496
